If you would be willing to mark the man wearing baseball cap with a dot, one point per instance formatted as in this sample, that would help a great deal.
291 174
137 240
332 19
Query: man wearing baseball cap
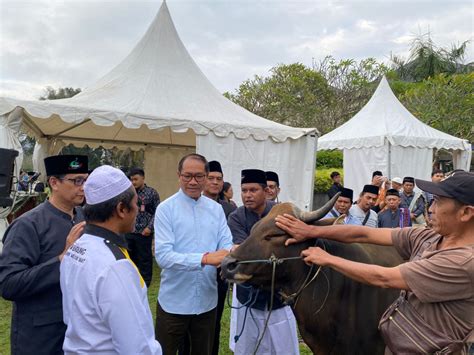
437 280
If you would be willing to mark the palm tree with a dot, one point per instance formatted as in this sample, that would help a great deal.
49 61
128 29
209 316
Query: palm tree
426 60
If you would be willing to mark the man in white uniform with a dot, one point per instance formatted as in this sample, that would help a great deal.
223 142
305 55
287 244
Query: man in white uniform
105 302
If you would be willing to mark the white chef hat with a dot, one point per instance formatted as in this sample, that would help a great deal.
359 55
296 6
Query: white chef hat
104 183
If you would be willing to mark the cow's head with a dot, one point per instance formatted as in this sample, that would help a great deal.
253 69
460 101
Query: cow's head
265 240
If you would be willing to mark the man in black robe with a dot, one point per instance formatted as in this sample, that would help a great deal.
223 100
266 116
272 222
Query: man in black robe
34 245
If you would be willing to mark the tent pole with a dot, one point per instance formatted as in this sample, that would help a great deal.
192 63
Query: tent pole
389 172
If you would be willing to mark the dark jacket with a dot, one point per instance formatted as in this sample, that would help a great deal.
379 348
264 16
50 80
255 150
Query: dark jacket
29 276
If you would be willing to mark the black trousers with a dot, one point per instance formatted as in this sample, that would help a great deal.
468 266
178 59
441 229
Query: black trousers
222 287
139 249
171 330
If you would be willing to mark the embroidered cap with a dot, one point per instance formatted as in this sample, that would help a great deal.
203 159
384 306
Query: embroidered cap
104 183
66 164
459 186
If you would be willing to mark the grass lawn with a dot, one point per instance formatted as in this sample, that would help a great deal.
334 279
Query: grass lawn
5 316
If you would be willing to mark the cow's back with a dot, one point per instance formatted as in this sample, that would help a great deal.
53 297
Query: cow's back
346 321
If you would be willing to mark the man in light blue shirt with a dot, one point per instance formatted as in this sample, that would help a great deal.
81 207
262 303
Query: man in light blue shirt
191 239
342 206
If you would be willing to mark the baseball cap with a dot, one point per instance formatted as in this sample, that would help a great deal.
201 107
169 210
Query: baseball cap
459 186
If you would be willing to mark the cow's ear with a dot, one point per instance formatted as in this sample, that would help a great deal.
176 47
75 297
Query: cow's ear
324 222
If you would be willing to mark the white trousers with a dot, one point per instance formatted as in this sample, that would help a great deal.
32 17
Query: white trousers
281 336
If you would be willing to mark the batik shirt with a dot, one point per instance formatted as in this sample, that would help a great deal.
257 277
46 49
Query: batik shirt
148 201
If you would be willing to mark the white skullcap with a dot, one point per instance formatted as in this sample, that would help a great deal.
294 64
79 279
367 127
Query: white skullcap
104 183
397 180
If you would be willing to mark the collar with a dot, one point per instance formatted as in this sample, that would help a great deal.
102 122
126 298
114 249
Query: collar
189 199
106 234
50 207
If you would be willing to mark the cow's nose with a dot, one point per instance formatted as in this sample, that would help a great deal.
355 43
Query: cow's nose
229 264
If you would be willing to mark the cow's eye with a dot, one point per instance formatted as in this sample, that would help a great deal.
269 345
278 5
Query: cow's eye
272 237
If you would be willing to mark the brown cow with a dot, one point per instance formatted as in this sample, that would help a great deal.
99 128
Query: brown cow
335 314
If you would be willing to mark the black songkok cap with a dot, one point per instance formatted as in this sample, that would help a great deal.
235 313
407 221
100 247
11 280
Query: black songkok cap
377 173
457 186
66 164
348 193
272 176
392 192
215 166
408 179
371 189
253 176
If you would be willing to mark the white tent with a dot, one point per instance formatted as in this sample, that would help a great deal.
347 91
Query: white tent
385 136
158 99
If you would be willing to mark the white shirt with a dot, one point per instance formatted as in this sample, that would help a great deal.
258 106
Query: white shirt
105 303
357 212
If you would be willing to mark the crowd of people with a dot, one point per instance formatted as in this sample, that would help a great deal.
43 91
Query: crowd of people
384 203
77 267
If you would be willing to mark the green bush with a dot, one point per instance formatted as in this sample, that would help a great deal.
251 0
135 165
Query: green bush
322 180
326 159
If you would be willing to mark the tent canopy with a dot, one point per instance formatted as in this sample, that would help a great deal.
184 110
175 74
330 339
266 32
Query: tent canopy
385 136
385 118
158 99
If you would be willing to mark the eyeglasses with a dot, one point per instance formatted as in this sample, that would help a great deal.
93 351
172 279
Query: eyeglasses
189 177
79 181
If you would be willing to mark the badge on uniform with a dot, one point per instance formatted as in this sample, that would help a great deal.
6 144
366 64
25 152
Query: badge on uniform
142 208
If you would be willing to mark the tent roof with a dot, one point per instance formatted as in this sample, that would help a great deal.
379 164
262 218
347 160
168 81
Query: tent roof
384 117
159 86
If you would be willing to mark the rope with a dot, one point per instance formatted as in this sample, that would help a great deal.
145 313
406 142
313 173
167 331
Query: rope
275 261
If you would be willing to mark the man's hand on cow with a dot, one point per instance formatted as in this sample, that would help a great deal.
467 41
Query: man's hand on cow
299 230
316 255
214 258
73 235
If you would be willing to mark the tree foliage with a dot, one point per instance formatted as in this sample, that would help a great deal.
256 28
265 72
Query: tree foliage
329 159
60 93
293 95
352 84
426 60
445 102
324 96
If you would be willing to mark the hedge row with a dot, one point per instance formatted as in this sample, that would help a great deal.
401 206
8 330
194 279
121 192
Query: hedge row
322 181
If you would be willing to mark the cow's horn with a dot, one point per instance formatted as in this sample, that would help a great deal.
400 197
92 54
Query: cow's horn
310 217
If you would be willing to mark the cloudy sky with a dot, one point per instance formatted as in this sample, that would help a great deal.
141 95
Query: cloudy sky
75 42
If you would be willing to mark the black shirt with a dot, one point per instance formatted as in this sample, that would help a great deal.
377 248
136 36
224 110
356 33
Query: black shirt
334 189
